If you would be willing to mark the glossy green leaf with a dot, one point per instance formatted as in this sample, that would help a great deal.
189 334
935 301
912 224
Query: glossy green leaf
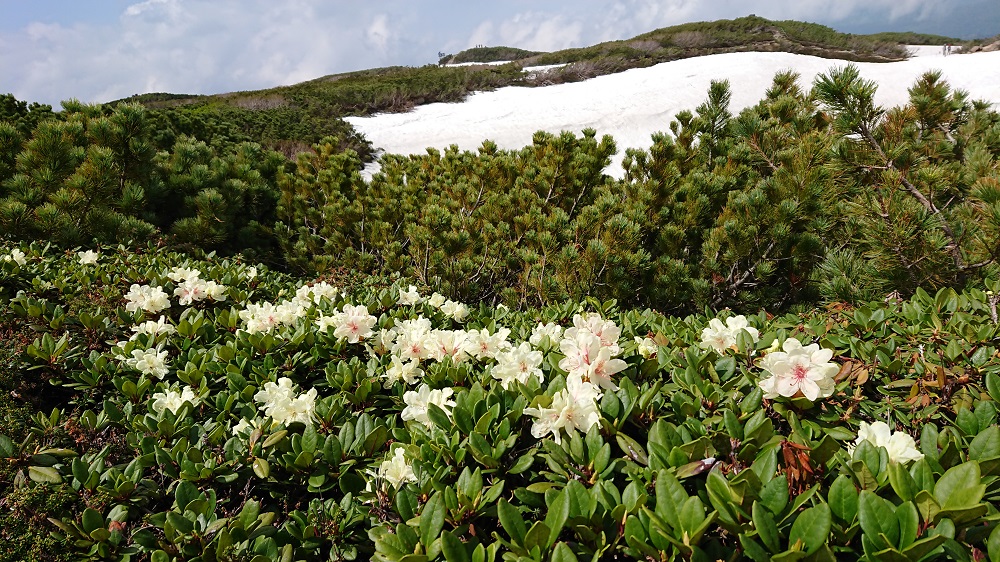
812 528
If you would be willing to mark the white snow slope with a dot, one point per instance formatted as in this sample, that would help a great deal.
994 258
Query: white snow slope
632 105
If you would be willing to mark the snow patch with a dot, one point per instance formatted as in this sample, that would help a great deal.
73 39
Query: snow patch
634 104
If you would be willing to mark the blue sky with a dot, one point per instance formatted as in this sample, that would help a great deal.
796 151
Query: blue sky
101 50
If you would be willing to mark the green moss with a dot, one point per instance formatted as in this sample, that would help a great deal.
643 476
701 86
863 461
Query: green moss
25 531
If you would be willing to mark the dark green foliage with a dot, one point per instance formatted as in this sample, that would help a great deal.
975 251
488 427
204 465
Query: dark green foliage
24 529
914 215
528 226
80 178
806 194
488 54
913 38
94 174
686 458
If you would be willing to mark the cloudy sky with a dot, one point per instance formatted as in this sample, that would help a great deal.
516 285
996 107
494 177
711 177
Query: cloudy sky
102 50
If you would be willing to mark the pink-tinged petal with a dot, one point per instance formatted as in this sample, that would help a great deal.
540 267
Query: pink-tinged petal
809 389
787 386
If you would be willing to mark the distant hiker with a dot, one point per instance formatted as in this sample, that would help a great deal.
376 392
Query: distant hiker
949 48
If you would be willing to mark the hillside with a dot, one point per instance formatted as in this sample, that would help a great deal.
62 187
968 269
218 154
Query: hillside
291 118
632 106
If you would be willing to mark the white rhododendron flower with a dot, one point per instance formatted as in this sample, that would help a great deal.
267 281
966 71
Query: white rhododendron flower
283 406
484 345
250 272
153 328
900 445
245 426
16 256
381 341
573 409
88 257
289 311
436 300
258 318
173 400
409 297
605 330
308 295
418 400
150 362
448 343
720 337
147 298
602 367
413 339
190 291
520 363
576 352
215 291
586 357
552 331
395 470
264 317
406 371
353 323
458 311
180 274
799 369
646 347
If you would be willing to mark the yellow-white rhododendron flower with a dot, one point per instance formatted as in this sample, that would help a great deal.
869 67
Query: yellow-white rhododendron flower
900 445
147 298
799 370
173 400
417 402
573 409
720 337
88 257
396 470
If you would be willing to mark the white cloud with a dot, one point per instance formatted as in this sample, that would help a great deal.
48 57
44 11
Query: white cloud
378 33
141 7
197 46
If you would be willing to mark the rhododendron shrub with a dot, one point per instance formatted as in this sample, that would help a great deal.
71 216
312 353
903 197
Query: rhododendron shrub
374 423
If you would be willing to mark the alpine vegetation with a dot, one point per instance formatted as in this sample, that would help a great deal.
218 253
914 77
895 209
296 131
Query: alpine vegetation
775 337
304 420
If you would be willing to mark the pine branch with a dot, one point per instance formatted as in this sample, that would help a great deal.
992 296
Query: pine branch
953 245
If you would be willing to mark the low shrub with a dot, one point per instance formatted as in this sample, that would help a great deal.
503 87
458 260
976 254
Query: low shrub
222 411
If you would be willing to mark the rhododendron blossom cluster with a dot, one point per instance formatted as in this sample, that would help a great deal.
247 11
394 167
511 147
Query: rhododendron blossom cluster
518 364
542 332
589 348
172 400
395 470
264 317
281 403
646 347
417 402
88 257
353 323
720 337
409 297
799 371
152 362
16 256
153 328
900 445
147 298
191 288
572 409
